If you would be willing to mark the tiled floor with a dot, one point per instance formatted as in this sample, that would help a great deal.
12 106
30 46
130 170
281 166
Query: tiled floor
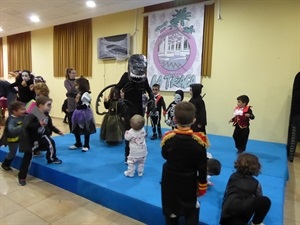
42 203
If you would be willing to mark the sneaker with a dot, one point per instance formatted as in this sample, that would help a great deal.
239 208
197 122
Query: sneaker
6 168
21 182
73 147
140 174
159 135
154 136
257 223
55 161
65 121
85 149
126 174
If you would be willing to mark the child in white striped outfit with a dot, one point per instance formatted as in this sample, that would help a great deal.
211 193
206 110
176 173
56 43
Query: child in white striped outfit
137 145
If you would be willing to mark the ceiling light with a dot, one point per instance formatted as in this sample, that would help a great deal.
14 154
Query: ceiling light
1 29
90 4
35 18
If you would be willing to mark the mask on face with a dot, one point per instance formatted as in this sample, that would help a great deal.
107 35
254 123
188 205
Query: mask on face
25 76
177 98
137 66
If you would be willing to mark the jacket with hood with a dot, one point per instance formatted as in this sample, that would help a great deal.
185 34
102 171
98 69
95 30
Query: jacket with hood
197 101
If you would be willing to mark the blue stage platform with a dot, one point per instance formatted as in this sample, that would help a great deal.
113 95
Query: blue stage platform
98 175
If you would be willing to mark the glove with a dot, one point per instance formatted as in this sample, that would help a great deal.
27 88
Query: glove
168 122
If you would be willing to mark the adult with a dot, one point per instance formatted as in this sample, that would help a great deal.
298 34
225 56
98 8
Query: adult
134 83
71 93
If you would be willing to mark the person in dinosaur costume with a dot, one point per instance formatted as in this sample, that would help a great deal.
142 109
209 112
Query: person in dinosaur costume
134 83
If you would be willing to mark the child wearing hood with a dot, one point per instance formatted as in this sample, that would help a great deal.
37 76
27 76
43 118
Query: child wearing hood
197 101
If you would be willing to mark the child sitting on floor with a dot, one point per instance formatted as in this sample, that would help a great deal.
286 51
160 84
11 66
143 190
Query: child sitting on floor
213 168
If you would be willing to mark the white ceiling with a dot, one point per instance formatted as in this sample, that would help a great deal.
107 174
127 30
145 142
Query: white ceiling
14 14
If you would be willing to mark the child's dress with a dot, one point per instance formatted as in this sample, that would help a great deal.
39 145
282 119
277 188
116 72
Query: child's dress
83 119
112 128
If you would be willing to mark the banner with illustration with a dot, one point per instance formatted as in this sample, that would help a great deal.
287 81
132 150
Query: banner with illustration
175 47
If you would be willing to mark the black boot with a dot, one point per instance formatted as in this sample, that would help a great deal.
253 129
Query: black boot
6 165
154 136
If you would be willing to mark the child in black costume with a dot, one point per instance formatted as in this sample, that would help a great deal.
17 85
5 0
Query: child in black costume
11 132
178 97
242 115
64 108
24 82
243 196
35 135
155 112
112 128
184 172
200 124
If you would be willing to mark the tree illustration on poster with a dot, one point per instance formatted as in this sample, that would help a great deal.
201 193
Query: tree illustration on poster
174 60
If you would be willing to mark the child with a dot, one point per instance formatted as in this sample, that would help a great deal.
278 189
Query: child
137 144
242 115
243 196
213 168
144 102
195 91
155 112
39 89
64 108
35 135
178 97
11 132
112 128
24 82
83 119
184 172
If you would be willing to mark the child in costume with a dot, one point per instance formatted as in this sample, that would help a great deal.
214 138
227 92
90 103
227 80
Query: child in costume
178 97
64 108
213 168
155 112
137 143
243 198
24 82
241 120
200 124
39 89
83 119
11 133
144 102
112 128
184 172
35 136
